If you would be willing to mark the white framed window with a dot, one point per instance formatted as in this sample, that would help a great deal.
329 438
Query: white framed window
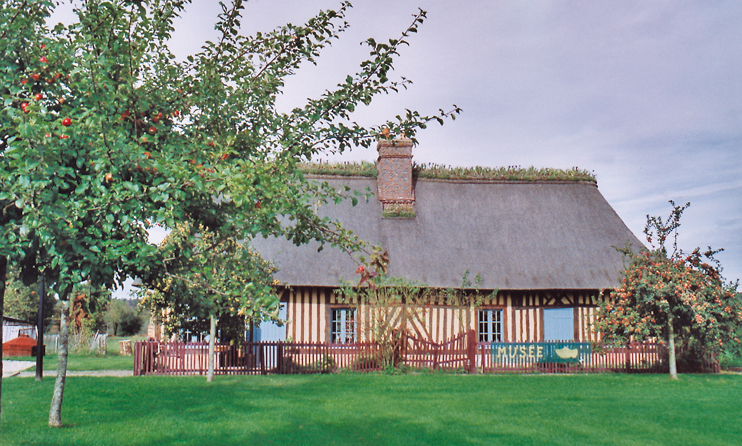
343 326
490 325
559 324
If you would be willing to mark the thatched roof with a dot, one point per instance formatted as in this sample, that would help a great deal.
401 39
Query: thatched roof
515 235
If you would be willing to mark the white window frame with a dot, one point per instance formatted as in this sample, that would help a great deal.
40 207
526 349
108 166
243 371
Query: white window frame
490 325
343 325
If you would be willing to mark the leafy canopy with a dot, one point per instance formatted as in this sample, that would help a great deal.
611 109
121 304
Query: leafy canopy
678 290
103 132
221 277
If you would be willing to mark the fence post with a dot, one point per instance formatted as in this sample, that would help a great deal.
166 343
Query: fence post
137 356
261 351
279 357
627 357
472 351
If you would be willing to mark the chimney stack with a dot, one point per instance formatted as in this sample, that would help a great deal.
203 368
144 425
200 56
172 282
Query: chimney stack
394 177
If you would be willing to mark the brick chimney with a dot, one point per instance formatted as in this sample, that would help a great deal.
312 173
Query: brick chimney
394 177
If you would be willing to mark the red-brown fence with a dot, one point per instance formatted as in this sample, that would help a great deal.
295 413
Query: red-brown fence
458 353
254 358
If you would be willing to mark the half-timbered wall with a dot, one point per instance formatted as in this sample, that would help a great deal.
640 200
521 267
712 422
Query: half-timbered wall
309 312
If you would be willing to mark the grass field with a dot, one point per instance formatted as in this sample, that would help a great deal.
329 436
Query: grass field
111 361
373 409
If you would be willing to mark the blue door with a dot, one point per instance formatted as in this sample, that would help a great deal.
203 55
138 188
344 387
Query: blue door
559 324
269 330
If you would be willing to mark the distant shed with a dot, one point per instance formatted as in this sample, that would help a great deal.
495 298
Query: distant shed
12 328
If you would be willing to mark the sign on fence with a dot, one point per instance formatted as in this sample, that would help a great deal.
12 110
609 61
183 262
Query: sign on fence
540 352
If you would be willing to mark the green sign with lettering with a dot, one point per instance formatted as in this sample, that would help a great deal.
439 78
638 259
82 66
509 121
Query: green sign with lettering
542 352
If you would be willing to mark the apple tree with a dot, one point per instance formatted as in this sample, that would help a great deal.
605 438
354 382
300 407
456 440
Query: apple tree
220 280
672 296
103 133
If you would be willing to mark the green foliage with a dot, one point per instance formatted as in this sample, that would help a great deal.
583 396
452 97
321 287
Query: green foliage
22 302
219 276
671 292
346 169
436 171
510 173
123 318
399 212
105 133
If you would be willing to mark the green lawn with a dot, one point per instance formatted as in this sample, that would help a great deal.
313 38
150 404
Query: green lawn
111 361
373 409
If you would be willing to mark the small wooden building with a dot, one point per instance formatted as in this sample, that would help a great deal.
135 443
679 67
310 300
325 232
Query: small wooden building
22 345
13 327
19 337
546 248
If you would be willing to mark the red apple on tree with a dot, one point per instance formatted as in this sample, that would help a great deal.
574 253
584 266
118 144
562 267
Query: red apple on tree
38 96
66 122
24 107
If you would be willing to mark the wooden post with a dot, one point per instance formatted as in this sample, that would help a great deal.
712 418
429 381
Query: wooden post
279 357
472 351
137 355
627 356
261 357
212 341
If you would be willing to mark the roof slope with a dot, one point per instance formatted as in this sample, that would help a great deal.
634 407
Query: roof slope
516 235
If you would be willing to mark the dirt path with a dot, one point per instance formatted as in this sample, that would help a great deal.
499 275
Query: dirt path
53 373
16 368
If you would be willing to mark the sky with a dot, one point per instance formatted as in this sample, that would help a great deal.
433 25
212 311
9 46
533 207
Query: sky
646 95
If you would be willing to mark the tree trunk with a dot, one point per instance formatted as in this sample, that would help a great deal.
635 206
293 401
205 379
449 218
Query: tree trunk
55 413
212 338
40 333
671 348
3 278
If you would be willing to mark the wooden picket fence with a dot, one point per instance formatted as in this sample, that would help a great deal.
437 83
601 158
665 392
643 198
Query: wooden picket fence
457 353
460 353
254 358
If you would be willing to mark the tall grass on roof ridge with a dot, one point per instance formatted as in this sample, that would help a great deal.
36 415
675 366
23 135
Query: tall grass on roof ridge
509 173
442 172
346 169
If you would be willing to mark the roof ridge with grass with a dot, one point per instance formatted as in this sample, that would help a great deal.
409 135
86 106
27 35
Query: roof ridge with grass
441 172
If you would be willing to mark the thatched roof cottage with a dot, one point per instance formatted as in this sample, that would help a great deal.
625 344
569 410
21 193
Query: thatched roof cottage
546 245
